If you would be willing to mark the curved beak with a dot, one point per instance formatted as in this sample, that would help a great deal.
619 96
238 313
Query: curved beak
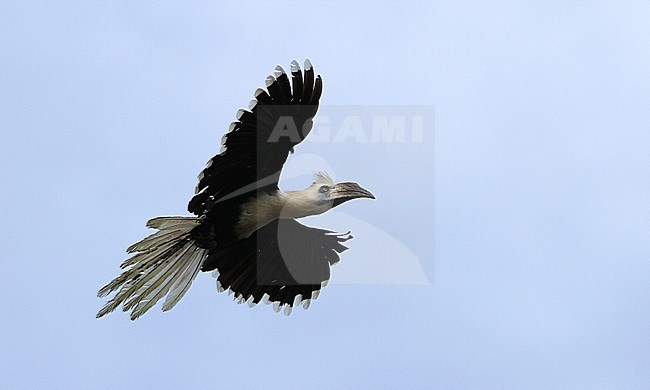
342 192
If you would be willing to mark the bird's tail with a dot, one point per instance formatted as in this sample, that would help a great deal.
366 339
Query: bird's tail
164 263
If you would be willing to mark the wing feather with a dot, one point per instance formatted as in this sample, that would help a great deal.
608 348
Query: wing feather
285 262
251 160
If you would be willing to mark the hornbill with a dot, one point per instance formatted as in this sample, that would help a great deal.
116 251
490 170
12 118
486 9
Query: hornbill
245 228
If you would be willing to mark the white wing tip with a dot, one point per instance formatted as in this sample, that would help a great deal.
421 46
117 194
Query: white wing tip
308 64
295 66
279 71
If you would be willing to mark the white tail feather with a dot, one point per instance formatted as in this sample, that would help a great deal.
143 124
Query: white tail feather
170 223
150 283
184 281
155 240
166 264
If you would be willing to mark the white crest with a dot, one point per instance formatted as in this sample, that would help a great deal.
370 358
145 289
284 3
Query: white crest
323 178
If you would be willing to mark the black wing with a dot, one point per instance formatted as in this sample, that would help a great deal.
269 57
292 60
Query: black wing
284 262
258 143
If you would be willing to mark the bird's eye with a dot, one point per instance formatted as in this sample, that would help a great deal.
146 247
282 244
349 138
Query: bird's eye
324 189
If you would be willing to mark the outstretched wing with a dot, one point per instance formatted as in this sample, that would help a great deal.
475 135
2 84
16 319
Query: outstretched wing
258 143
284 262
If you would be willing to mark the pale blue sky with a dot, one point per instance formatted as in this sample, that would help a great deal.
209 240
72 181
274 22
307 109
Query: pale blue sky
530 216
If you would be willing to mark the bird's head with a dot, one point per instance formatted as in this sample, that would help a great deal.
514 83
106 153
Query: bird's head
334 194
319 197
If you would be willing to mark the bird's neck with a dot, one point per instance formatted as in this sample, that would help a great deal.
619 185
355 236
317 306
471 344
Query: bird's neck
299 204
263 209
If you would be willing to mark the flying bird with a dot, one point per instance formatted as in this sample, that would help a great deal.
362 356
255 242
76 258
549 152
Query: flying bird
244 228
